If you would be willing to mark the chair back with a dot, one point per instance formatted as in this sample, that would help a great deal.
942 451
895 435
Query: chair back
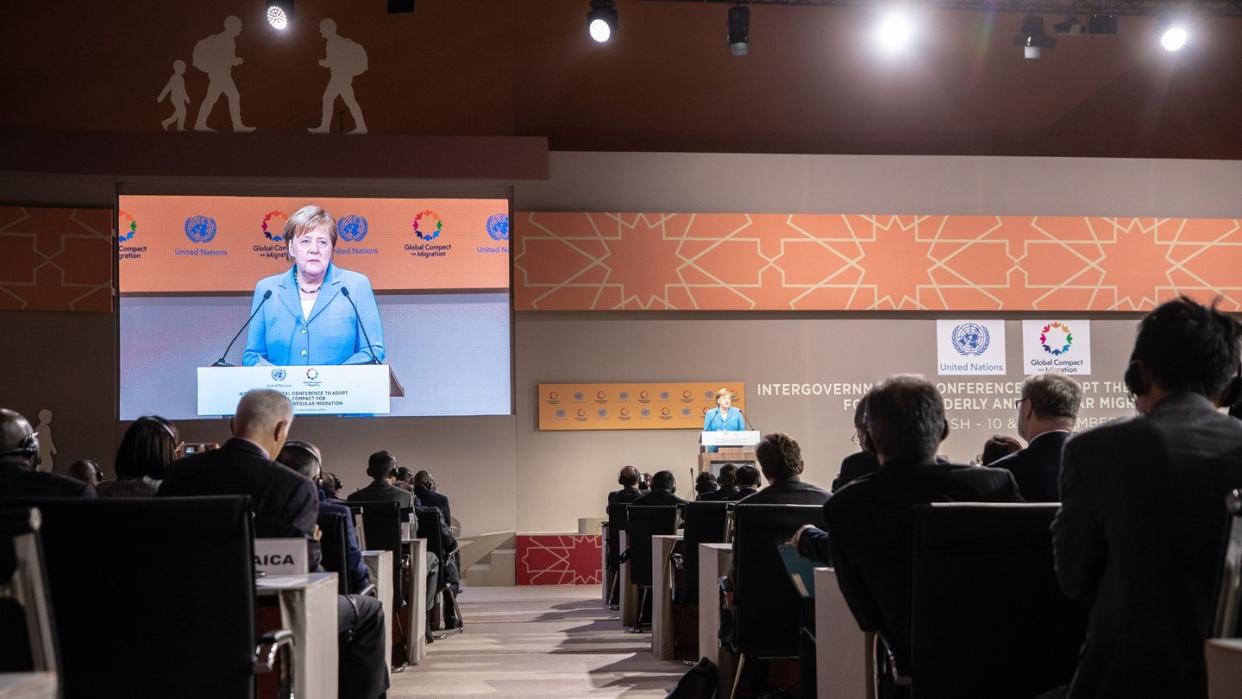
381 524
769 609
27 636
1229 597
987 617
429 521
618 518
644 523
334 545
153 596
704 523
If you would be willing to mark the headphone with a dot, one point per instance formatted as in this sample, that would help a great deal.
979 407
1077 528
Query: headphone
28 448
309 449
1136 384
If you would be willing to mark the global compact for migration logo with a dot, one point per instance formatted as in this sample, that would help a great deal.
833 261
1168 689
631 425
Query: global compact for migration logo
127 229
971 339
1056 338
428 226
272 228
200 230
353 228
497 228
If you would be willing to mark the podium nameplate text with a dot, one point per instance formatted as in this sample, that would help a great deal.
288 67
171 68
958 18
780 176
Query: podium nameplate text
355 389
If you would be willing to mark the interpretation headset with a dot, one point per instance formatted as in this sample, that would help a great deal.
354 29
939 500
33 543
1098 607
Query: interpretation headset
309 449
28 448
1136 384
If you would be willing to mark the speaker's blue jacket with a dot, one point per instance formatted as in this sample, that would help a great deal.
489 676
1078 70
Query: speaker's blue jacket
332 334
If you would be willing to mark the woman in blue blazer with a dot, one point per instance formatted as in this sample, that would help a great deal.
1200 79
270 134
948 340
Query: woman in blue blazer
307 317
723 417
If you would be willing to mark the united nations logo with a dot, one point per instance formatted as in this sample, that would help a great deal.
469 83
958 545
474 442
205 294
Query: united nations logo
427 225
352 228
200 229
312 373
971 339
278 374
498 226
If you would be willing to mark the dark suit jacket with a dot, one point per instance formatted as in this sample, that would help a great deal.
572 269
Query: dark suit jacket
430 498
624 495
790 492
1037 467
1141 532
17 481
382 492
853 467
359 575
722 495
869 534
658 497
285 503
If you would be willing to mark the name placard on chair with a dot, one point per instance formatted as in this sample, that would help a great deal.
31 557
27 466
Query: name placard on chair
281 556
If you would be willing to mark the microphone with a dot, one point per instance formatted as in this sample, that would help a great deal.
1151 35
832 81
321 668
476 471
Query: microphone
345 293
747 420
221 361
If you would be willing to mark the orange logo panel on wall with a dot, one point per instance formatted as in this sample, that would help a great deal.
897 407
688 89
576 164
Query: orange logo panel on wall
226 244
827 262
55 259
631 406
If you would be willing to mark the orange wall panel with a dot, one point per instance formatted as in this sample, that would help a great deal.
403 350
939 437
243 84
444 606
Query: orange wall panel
55 259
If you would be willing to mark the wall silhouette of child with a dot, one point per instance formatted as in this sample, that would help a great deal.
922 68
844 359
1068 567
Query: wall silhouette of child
175 91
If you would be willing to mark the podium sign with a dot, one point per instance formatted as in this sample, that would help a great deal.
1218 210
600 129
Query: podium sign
356 389
739 439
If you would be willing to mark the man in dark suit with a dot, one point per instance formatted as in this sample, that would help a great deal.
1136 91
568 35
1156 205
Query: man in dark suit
19 463
1047 412
728 486
628 478
862 462
382 468
869 520
663 491
425 491
286 505
1142 521
748 481
780 459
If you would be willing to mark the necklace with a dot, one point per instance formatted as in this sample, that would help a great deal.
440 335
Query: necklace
304 290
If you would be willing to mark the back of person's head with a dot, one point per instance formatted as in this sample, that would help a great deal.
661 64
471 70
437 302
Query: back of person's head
728 476
423 479
644 483
1053 395
705 482
664 480
86 471
263 416
405 475
18 442
330 483
747 476
905 419
779 456
1184 346
148 446
997 447
303 457
382 465
860 414
629 476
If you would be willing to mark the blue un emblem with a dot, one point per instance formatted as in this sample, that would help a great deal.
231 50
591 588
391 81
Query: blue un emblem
278 374
352 227
971 339
498 226
200 229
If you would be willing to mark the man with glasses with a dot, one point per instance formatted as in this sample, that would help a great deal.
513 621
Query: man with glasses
1047 412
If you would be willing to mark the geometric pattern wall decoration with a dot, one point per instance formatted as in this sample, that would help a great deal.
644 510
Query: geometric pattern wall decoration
559 559
55 259
576 261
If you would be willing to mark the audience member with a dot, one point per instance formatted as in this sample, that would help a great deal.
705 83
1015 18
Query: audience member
704 484
628 478
19 464
780 457
285 505
645 483
998 447
728 486
426 493
382 468
869 520
331 486
1141 528
405 479
306 459
862 462
148 447
663 491
1047 412
748 480
87 471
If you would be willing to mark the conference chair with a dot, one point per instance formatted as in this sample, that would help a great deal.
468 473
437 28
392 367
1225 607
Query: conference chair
1229 600
644 523
617 520
987 617
27 636
703 523
155 597
429 528
768 611
381 530
335 547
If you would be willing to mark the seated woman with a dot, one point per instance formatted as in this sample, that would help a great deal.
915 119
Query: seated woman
148 447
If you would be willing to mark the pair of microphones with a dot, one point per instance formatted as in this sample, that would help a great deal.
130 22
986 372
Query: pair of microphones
267 295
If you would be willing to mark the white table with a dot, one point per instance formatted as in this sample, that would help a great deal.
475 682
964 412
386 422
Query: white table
662 629
379 567
1224 668
630 600
308 609
715 561
843 663
416 611
27 685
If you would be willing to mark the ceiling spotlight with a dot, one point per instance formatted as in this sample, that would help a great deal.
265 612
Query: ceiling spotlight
602 20
1102 24
1031 37
400 7
1070 26
279 13
739 30
894 31
1173 35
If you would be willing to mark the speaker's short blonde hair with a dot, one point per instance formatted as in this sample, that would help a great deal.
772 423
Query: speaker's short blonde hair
309 218
726 391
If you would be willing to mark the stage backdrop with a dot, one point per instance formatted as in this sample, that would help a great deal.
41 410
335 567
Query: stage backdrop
55 259
631 406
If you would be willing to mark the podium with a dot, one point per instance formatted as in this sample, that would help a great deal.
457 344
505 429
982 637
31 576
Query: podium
352 389
732 448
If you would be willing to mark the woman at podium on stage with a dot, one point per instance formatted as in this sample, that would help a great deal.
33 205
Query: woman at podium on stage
724 417
316 312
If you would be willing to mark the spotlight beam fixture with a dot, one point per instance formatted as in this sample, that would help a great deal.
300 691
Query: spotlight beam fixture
602 20
279 13
739 30
1055 8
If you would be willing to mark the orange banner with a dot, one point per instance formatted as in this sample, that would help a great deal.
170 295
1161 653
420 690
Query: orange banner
182 244
631 406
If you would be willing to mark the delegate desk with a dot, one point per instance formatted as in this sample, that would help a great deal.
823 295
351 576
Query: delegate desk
662 628
843 664
28 685
379 567
308 609
415 618
715 561
1224 667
